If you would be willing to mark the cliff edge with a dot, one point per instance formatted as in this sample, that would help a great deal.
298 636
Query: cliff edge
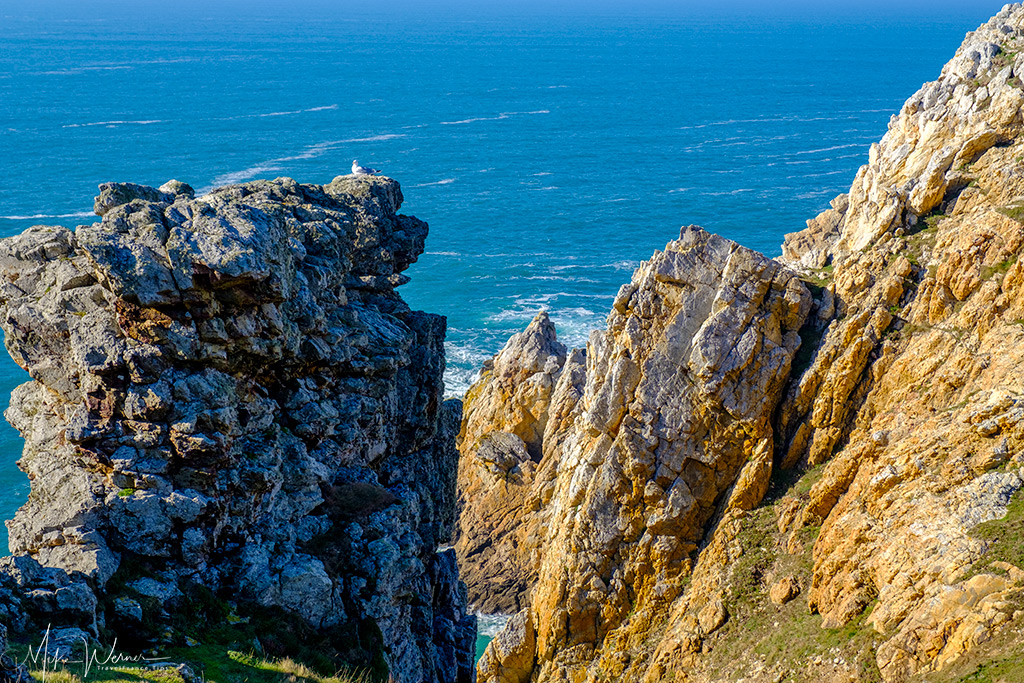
232 412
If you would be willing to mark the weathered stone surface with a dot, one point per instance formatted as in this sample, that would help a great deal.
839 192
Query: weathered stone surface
505 415
784 590
228 391
672 419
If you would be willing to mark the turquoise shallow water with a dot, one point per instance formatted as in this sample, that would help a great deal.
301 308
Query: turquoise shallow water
549 152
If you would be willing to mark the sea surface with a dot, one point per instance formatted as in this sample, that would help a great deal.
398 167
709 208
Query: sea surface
551 148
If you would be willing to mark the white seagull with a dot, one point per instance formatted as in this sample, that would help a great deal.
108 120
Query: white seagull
362 170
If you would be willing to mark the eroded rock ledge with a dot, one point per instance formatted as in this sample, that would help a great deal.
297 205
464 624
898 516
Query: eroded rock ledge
228 395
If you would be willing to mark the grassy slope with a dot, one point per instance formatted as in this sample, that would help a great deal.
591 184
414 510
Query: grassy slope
767 642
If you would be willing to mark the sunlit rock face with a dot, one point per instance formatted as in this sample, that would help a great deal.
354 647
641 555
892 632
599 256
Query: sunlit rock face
658 556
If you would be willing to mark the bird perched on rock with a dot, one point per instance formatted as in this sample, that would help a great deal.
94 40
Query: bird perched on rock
362 170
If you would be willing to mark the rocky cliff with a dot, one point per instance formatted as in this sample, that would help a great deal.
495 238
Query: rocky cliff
233 412
728 500
500 491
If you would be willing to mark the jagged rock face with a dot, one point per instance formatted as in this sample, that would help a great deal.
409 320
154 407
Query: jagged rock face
227 391
944 128
913 395
505 415
906 404
672 420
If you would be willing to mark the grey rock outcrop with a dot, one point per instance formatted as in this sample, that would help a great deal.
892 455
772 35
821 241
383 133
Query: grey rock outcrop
228 392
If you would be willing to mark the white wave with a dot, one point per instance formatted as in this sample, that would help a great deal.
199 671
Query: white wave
778 119
71 71
724 194
81 69
556 278
549 187
625 265
499 117
552 87
535 299
114 123
77 214
442 253
829 149
446 181
311 152
541 173
245 174
818 193
297 111
529 308
680 189
816 175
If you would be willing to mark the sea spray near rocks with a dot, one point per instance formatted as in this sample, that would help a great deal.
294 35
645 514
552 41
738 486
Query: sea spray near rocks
228 395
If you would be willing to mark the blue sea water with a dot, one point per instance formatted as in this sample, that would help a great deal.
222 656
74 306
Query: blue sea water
550 149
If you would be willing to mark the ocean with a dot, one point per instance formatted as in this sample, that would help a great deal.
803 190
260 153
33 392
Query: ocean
550 148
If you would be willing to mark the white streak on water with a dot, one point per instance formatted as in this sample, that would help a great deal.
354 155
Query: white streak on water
297 111
829 149
446 181
77 214
111 124
273 165
499 117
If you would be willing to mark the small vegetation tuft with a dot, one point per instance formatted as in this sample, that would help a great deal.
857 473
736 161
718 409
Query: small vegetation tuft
1013 211
988 272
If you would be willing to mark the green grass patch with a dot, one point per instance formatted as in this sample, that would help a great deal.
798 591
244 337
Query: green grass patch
1013 211
811 477
215 665
988 272
820 277
1005 537
757 538
762 639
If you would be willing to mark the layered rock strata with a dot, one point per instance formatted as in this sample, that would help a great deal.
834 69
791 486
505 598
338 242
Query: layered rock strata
228 393
912 396
660 559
